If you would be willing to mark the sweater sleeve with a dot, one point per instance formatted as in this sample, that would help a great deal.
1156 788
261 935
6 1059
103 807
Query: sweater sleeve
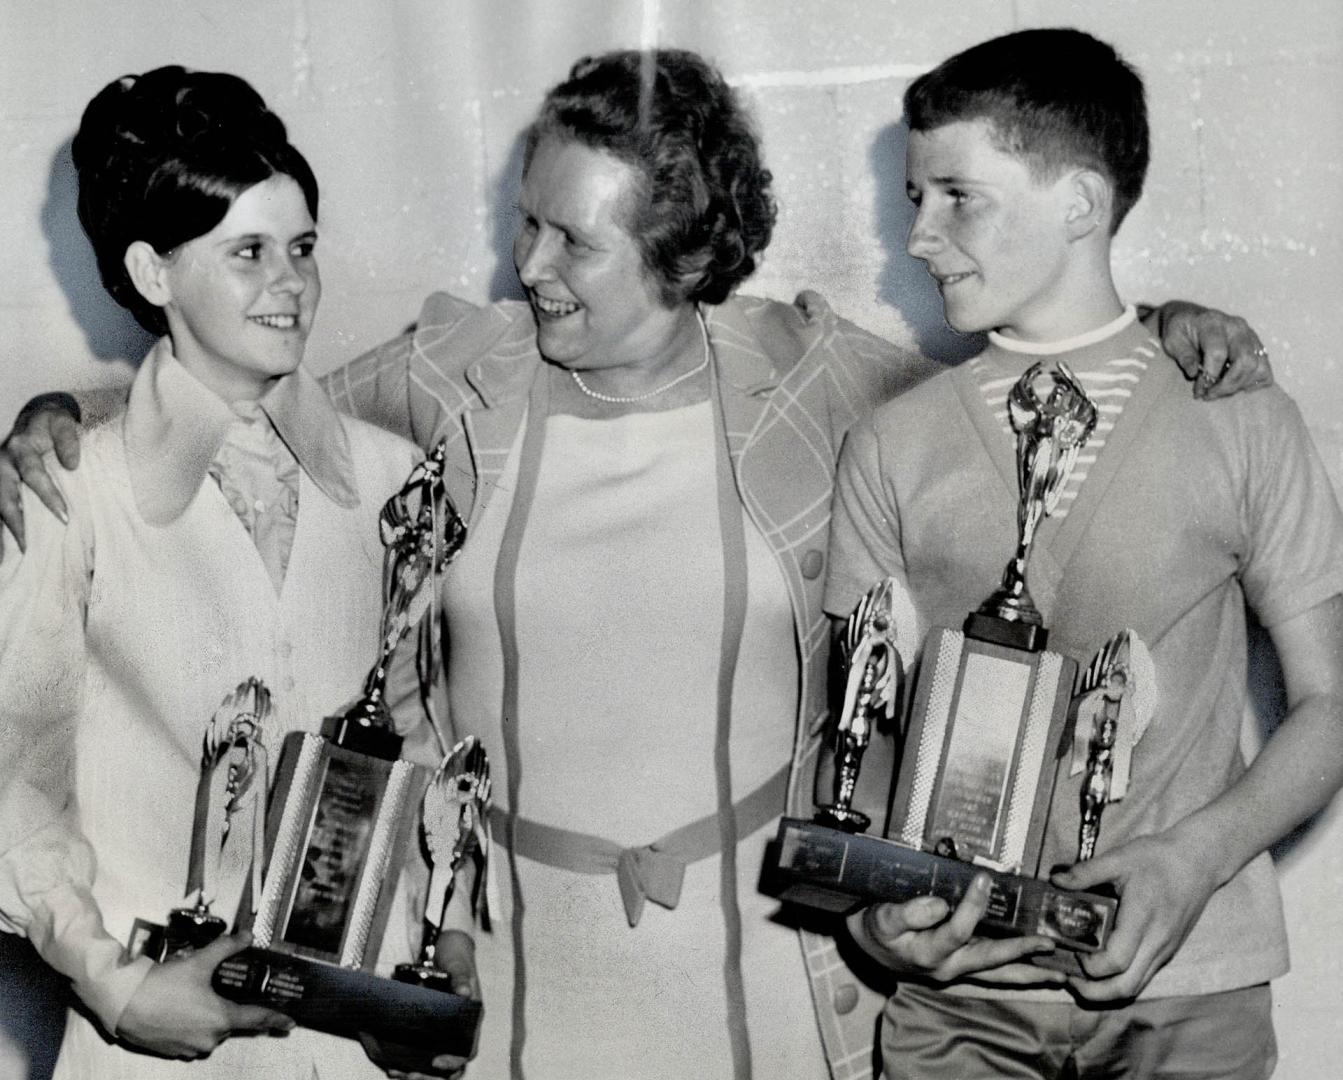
46 867
398 385
864 524
375 386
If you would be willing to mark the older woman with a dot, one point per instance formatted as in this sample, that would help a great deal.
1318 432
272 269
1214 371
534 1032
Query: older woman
635 622
635 625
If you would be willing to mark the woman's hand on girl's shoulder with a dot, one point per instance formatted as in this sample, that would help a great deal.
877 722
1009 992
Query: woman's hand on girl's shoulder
46 423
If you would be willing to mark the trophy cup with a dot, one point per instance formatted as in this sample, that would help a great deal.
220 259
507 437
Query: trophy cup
984 739
233 760
342 813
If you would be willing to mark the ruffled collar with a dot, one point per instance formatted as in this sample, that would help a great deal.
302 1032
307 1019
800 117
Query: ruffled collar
174 426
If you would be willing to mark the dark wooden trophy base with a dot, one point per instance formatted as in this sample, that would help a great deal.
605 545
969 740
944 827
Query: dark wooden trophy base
825 868
347 1002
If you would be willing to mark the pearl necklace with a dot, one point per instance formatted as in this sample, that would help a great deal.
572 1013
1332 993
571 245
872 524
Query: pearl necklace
615 399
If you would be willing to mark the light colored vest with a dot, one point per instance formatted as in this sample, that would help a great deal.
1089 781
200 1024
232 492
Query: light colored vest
178 616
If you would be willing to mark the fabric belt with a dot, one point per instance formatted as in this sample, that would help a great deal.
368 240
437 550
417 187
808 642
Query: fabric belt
650 872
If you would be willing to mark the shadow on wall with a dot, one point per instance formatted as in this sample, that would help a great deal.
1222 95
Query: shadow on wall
904 283
504 284
109 329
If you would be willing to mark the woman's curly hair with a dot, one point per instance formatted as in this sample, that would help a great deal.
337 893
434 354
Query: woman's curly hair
705 210
161 157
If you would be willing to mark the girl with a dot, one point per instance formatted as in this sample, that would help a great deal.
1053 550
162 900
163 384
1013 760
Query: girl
224 526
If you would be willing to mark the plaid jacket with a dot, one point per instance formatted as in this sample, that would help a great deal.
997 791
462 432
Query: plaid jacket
794 379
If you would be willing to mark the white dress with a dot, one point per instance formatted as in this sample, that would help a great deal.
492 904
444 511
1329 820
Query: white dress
619 588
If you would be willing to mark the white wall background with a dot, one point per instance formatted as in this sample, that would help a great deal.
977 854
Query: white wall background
409 111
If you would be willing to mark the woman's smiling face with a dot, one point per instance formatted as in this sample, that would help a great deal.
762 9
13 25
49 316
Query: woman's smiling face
240 299
595 302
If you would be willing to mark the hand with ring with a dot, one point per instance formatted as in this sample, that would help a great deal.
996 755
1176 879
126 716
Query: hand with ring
1221 353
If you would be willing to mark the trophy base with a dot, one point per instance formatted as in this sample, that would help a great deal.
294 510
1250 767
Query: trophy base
186 930
352 1002
189 929
820 867
843 819
426 975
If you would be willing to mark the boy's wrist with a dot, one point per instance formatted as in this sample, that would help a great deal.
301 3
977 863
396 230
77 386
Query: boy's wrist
1206 848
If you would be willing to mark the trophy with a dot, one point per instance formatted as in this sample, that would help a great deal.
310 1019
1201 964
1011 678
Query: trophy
343 811
232 787
984 739
456 825
1113 708
871 695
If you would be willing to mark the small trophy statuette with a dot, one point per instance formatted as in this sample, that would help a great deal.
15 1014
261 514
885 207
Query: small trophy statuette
1051 427
871 695
455 820
421 533
232 787
1113 706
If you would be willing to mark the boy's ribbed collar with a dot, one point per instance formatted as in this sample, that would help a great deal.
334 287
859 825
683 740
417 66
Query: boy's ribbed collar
1078 341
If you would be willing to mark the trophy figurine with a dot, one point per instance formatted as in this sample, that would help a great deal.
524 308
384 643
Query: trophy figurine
455 816
1051 430
421 534
343 812
871 694
984 735
232 785
1113 707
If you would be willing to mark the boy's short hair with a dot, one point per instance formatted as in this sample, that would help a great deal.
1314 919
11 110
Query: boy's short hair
1056 98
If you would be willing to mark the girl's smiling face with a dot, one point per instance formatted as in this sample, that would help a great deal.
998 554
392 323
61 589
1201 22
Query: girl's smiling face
240 299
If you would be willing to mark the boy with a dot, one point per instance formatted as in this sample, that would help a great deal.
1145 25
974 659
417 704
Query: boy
1025 154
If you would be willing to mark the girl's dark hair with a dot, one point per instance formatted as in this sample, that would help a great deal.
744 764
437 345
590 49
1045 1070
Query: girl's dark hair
704 210
161 157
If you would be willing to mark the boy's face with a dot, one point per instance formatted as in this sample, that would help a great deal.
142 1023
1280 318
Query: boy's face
994 238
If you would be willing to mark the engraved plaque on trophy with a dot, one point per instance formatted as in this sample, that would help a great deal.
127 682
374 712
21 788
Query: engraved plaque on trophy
344 812
984 737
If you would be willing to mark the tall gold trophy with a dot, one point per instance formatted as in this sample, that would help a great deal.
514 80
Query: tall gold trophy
344 811
986 731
